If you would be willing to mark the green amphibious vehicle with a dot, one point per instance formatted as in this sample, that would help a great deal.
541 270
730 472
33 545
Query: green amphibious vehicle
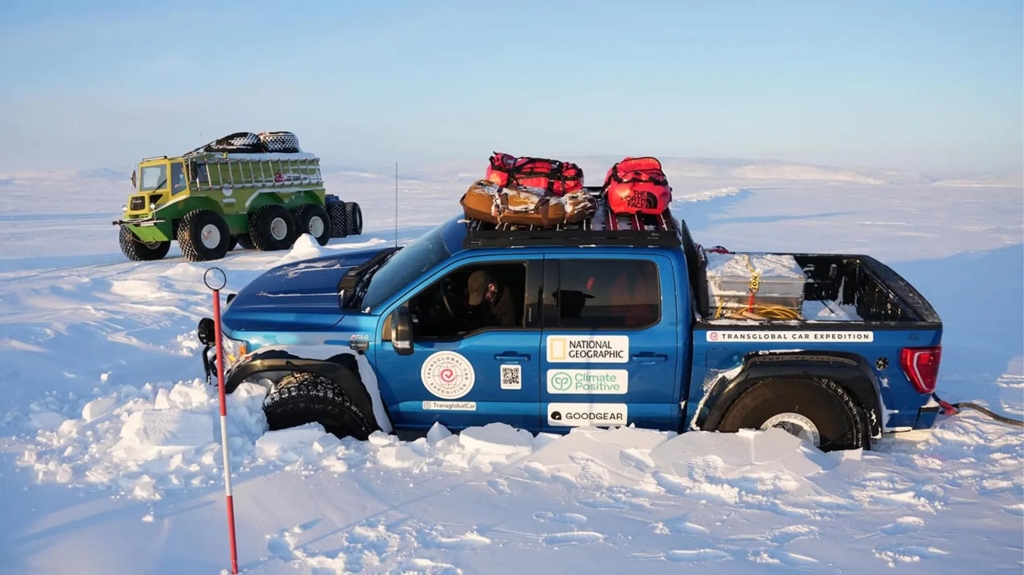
254 190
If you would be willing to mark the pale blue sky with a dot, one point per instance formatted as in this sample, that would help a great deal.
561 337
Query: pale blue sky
927 85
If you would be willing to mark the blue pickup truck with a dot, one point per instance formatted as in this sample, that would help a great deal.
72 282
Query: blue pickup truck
611 326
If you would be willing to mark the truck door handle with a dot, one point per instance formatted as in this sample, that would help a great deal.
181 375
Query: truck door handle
648 357
511 356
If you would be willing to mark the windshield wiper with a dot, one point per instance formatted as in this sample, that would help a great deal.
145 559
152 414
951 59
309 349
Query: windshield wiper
353 284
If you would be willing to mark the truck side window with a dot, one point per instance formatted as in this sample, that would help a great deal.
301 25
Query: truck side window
443 311
178 183
608 294
198 173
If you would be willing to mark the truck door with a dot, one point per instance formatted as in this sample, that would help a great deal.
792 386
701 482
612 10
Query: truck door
460 374
611 341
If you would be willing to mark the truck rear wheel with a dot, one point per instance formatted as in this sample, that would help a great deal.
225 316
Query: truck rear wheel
353 219
818 411
137 250
272 228
301 397
312 219
337 212
203 235
245 241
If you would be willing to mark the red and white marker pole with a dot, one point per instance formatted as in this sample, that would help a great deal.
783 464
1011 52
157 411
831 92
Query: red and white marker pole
220 280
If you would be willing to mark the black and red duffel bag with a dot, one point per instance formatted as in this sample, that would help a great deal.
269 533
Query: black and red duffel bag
637 186
553 176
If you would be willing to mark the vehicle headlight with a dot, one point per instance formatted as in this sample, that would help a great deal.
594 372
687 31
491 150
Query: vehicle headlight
234 350
152 206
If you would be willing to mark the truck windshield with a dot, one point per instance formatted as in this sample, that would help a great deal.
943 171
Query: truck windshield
403 267
153 178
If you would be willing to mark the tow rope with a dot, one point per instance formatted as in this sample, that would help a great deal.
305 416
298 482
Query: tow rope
955 408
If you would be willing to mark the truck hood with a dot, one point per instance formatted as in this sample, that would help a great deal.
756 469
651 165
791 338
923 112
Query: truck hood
298 296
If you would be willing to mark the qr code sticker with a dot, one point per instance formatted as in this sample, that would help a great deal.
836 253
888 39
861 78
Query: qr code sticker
511 377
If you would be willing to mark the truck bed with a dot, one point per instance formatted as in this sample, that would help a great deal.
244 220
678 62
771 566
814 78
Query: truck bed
839 289
846 288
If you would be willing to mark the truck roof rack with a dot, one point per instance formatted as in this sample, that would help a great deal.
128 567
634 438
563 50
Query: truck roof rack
603 229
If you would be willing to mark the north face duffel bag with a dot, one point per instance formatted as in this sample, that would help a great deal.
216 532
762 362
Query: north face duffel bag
637 186
553 176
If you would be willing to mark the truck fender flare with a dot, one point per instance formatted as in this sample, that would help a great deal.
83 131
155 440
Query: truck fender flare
342 369
848 370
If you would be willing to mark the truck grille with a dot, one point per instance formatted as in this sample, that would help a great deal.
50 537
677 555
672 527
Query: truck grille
138 203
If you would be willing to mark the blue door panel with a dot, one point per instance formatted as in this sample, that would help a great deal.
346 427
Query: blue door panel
464 387
486 376
618 376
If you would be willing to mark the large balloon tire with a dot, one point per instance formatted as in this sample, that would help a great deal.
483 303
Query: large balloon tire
300 398
337 215
197 230
139 251
272 228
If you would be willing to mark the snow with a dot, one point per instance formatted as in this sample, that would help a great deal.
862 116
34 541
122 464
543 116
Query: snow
111 458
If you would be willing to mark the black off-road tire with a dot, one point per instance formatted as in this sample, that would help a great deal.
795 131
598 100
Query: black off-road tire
234 243
353 219
139 251
300 398
265 221
245 241
310 217
336 210
286 142
832 410
203 235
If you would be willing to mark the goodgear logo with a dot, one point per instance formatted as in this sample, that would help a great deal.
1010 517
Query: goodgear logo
583 414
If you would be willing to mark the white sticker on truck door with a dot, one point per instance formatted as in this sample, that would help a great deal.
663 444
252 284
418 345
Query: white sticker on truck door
612 381
801 336
581 414
588 349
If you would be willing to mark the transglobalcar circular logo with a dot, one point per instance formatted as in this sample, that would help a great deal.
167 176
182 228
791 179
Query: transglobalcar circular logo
447 375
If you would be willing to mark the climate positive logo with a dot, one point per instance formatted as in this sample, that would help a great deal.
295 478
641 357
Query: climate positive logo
559 382
588 381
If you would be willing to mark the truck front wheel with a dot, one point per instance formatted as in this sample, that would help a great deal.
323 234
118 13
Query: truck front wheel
301 397
203 235
137 250
820 412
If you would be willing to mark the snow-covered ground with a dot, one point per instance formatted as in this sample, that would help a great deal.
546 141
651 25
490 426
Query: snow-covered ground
109 446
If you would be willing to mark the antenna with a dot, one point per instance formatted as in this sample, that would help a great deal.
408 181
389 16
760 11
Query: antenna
396 204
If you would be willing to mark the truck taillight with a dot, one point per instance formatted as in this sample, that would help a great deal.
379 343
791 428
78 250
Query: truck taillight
921 364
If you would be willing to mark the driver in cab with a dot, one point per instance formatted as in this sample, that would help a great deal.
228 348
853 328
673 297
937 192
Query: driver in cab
497 309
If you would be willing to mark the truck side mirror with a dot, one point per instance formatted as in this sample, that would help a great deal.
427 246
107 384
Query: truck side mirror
401 331
133 180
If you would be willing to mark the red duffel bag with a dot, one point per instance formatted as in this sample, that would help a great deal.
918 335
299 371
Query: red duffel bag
637 186
554 177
